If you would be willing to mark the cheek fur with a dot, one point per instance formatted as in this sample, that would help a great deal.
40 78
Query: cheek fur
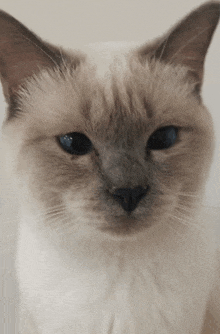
51 173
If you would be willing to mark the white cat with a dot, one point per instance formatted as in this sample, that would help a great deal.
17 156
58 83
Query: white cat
109 156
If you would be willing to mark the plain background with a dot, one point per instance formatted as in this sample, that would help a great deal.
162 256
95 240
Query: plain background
76 23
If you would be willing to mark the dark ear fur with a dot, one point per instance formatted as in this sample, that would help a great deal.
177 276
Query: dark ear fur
187 43
22 54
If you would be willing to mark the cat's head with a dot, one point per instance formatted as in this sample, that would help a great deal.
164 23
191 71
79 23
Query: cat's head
116 144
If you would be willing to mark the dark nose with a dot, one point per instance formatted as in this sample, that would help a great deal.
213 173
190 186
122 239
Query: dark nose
130 197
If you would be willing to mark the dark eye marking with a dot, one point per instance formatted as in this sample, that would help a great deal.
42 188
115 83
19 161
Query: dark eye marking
163 138
75 143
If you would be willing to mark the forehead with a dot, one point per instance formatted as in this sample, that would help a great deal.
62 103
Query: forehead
116 96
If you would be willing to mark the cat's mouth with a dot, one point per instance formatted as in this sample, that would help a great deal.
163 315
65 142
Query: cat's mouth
124 224
128 220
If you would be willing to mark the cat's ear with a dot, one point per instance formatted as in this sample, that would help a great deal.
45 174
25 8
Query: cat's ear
22 54
187 43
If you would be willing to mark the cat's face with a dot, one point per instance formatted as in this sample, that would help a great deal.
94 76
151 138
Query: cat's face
145 143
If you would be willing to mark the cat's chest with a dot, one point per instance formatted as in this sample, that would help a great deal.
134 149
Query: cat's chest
121 295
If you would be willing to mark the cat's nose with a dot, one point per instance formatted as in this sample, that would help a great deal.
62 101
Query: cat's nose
130 197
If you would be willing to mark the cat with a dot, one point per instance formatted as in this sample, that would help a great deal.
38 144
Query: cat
109 154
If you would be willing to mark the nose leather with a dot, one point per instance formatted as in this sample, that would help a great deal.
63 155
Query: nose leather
130 197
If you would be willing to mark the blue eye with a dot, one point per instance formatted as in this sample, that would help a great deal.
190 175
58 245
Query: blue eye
75 143
163 138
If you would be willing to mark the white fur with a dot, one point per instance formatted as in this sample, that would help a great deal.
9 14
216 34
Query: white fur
157 283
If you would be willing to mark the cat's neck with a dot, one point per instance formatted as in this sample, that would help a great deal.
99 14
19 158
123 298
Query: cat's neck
173 264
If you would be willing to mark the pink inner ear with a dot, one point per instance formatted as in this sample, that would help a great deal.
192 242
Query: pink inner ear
21 53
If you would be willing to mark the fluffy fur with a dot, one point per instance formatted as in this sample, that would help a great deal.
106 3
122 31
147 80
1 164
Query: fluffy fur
83 264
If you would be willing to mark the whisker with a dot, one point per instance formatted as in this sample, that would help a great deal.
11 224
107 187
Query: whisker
54 212
54 219
38 47
188 203
188 223
188 42
164 46
189 209
64 62
187 195
52 209
182 208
